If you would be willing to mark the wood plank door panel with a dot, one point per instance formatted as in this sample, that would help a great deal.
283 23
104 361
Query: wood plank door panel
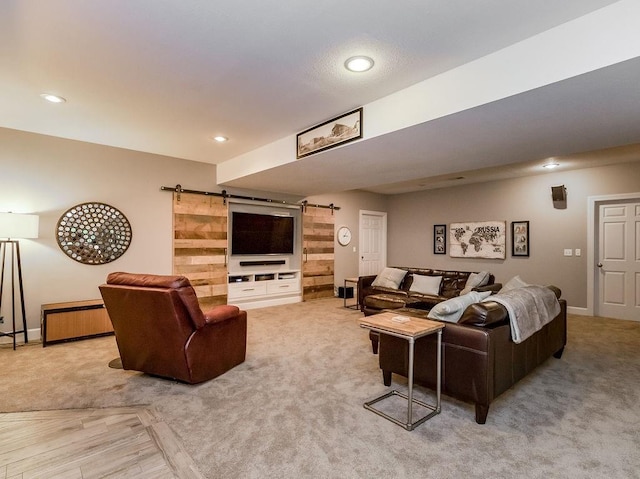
317 253
200 245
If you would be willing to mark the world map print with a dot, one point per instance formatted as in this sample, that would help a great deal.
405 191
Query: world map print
485 239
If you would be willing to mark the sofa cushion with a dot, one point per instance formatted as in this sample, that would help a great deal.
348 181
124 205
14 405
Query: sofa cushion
513 283
452 282
451 310
383 290
475 280
388 301
426 284
390 278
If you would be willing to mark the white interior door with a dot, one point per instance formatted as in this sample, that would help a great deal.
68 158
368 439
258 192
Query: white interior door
619 261
373 242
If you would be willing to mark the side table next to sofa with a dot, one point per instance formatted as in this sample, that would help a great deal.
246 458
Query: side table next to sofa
353 281
410 330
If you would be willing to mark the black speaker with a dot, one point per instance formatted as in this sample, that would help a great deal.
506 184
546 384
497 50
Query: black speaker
559 193
262 262
559 196
345 292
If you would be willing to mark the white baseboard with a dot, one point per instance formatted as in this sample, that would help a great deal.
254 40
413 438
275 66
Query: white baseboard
32 334
578 311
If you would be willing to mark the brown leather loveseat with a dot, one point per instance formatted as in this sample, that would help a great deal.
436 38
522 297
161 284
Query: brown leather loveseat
480 360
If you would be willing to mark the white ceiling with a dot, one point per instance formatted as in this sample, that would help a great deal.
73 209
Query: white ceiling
164 76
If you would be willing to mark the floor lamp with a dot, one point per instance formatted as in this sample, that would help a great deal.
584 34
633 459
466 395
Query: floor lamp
13 227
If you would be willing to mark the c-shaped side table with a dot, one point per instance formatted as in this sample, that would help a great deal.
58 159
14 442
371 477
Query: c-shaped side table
354 281
410 330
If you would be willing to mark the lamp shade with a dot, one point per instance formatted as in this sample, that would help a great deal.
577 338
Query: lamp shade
13 225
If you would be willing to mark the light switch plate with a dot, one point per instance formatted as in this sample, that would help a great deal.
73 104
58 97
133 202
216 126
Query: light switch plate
578 252
568 252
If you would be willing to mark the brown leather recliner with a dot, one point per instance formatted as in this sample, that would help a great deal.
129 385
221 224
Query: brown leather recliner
161 330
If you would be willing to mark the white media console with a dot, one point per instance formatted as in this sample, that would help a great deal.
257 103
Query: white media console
265 264
261 288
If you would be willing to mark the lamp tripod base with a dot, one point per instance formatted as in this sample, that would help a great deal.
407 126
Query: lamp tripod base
15 269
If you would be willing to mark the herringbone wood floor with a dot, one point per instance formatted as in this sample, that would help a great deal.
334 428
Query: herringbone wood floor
90 443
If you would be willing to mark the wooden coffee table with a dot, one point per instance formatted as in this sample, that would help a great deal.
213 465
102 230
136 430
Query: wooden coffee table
410 330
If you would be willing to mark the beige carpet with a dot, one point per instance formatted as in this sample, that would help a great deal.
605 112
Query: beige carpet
294 408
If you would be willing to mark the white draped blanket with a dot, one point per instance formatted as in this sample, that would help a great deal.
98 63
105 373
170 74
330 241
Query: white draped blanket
529 308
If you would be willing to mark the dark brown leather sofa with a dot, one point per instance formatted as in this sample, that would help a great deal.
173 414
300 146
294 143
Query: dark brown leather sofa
373 299
161 330
480 360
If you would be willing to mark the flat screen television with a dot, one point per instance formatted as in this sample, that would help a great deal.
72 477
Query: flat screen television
261 234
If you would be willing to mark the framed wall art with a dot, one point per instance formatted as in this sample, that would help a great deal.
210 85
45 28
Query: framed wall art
484 239
439 239
338 131
520 238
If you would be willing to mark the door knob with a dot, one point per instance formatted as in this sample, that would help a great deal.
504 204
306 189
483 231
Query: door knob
599 265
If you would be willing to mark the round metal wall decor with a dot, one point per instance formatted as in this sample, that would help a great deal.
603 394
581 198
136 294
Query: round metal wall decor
93 233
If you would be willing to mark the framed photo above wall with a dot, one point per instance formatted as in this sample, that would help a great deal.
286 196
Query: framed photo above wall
520 238
439 239
338 131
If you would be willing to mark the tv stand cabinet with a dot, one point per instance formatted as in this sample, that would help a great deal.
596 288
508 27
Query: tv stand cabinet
264 288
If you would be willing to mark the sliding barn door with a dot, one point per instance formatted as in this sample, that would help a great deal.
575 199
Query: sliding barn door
317 252
200 245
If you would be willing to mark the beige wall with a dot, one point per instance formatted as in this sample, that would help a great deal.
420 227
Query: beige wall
47 175
412 216
350 203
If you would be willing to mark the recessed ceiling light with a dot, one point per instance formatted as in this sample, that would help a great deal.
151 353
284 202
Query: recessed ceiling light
220 139
359 64
551 166
53 98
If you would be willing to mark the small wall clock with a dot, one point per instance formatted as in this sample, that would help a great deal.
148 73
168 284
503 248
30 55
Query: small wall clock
344 235
93 233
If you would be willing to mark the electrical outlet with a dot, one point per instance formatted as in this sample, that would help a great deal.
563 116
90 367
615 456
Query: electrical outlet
568 252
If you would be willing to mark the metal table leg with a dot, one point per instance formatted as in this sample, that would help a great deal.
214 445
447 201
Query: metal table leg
409 425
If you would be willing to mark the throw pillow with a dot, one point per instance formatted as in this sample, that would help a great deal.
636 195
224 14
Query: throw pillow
513 283
451 310
475 280
426 284
389 278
